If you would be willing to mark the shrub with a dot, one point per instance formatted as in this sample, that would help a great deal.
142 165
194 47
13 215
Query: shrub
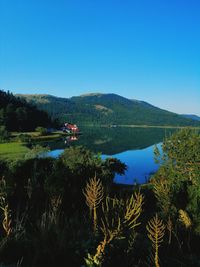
42 131
4 134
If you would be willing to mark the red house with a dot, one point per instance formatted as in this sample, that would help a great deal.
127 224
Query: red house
70 128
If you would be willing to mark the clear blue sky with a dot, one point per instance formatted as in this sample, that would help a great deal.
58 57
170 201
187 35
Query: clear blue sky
145 49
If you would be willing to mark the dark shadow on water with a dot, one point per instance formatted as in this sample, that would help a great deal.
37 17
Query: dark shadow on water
111 141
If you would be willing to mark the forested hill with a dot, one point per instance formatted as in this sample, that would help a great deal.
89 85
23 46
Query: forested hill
106 109
18 115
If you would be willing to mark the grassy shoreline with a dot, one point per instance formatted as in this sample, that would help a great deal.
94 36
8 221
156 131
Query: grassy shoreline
14 148
37 136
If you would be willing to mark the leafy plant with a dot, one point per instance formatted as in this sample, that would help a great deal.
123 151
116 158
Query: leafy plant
94 193
156 231
118 216
185 219
6 223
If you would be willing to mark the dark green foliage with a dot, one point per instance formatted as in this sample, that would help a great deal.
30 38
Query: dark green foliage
24 138
177 188
180 172
36 151
4 134
51 224
109 109
18 115
46 232
81 164
42 131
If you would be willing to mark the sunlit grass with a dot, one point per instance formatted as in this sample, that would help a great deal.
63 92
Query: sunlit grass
37 137
13 150
18 149
47 137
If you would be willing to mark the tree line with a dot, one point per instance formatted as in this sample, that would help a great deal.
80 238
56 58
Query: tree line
18 115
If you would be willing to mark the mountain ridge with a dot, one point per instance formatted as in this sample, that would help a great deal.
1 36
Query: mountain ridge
98 109
191 116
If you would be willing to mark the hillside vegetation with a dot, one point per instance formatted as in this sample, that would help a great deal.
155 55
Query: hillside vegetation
106 109
18 115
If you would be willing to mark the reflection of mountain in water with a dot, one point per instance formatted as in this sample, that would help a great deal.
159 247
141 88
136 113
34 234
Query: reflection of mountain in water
112 141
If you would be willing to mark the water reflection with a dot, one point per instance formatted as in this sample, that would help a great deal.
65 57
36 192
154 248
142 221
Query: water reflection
70 138
133 146
111 141
140 165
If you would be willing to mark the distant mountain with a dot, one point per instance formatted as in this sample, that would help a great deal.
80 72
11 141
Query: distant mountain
107 109
191 116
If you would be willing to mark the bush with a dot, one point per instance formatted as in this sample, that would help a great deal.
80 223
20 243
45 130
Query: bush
25 138
42 131
37 152
4 134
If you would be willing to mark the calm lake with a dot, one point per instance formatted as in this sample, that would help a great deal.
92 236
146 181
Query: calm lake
133 146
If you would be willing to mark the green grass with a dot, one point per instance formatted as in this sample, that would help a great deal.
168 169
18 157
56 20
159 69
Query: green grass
35 136
17 150
13 150
49 137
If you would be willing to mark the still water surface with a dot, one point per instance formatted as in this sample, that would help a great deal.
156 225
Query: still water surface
133 146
